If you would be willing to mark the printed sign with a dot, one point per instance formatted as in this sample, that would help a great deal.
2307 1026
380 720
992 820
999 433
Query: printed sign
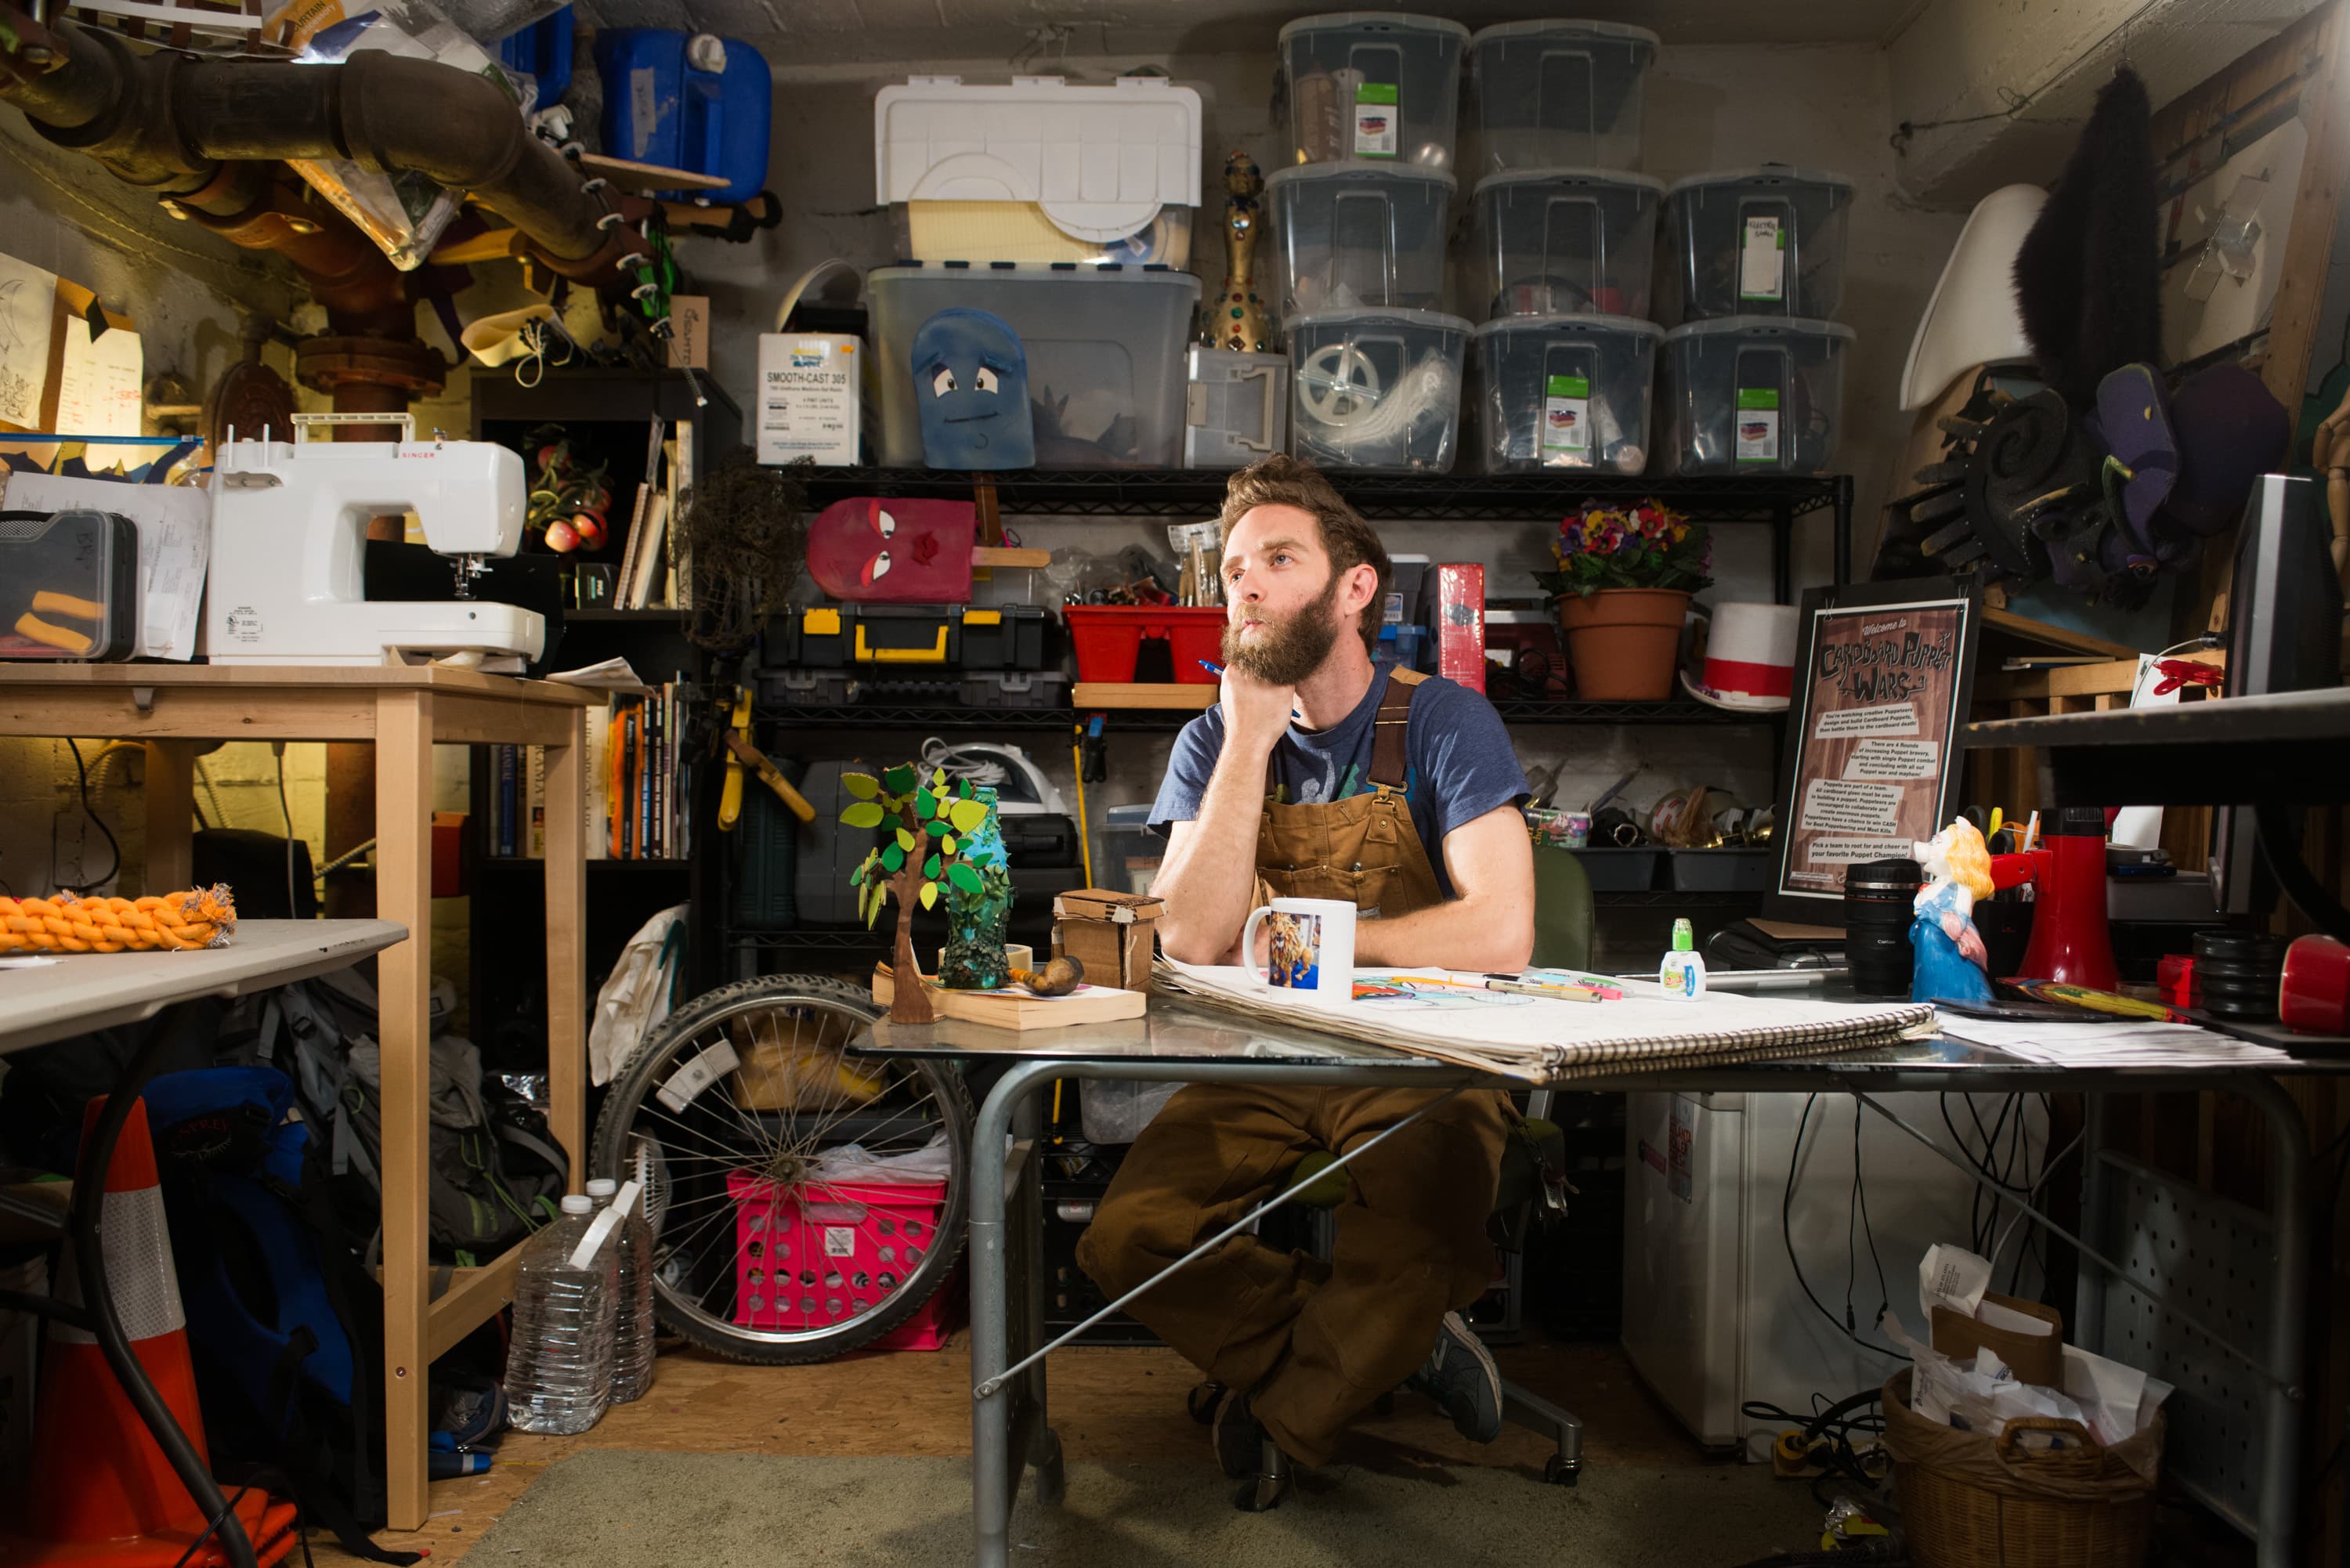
1758 424
1566 417
1880 693
1376 113
1762 261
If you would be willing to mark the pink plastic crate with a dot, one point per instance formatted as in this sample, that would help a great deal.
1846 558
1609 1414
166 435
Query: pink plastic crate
835 1256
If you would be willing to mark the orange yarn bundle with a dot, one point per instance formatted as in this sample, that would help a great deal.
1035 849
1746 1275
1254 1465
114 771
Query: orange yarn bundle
200 918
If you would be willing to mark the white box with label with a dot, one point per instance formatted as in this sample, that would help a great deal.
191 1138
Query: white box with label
811 398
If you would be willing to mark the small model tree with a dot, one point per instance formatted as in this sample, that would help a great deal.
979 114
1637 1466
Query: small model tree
924 827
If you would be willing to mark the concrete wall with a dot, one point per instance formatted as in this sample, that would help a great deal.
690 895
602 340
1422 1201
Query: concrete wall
1709 108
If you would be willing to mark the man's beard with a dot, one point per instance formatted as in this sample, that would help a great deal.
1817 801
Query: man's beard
1287 650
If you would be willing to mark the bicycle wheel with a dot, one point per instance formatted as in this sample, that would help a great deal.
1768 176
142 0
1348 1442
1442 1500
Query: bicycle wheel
776 1240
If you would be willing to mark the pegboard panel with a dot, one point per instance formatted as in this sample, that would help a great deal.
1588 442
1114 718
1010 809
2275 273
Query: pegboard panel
2214 1258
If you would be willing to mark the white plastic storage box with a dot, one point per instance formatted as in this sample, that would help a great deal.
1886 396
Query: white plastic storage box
1561 391
1382 87
1236 408
1564 241
1548 93
1039 171
1376 388
1104 346
1756 242
1752 394
1348 237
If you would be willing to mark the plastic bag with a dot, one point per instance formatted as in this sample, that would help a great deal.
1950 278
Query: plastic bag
404 214
853 1162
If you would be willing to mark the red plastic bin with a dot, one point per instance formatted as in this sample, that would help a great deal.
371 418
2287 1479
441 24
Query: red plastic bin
833 1255
1109 639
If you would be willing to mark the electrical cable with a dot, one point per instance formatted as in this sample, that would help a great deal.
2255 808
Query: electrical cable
83 1223
212 1524
1884 1295
293 904
1788 1235
90 883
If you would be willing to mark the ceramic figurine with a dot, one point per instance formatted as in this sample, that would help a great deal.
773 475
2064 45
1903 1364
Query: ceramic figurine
1236 317
971 386
1951 963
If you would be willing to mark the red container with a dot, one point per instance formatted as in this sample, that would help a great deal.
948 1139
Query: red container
1109 639
2070 938
836 1253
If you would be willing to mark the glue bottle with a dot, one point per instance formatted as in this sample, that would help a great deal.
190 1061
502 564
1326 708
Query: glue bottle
1682 974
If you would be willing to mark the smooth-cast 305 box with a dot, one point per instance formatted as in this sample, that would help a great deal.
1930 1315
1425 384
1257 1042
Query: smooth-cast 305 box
812 396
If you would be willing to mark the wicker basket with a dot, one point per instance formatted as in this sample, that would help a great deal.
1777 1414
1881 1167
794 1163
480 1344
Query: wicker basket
1969 1500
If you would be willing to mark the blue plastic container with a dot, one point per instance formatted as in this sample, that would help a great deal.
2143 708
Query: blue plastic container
543 51
682 100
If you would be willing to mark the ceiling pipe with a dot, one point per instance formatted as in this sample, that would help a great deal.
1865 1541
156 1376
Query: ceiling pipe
182 128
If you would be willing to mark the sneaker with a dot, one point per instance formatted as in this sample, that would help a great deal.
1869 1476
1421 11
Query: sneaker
1460 1375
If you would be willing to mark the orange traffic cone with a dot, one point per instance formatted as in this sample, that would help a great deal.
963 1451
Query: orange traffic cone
102 1495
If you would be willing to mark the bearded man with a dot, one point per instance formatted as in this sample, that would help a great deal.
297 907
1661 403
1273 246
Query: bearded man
1324 774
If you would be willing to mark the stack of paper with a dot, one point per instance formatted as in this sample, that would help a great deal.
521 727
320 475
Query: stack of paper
2122 1043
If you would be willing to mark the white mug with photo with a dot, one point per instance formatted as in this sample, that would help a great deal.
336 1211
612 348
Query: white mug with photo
1313 947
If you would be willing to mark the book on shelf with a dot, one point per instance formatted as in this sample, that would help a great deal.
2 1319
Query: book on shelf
635 594
534 805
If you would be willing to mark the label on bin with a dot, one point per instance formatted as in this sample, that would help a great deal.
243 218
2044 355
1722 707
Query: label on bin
1762 261
1567 415
1758 424
840 1242
1376 113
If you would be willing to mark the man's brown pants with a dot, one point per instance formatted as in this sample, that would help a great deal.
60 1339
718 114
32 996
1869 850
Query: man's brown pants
1313 1344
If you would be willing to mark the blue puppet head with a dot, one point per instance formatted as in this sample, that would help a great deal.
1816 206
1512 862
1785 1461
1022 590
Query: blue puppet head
970 385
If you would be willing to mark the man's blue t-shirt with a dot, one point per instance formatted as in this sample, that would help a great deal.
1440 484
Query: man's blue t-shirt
1458 757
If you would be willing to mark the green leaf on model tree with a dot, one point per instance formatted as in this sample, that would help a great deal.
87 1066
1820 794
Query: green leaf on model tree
967 814
929 895
963 877
892 858
962 789
861 814
931 867
864 786
925 806
906 841
947 844
899 779
936 828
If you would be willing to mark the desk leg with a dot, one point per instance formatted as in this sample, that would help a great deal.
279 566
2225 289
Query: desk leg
995 1463
566 950
404 857
1041 1450
170 804
2281 1409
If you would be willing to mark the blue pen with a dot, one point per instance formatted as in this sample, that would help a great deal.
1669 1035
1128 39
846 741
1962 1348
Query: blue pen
1211 668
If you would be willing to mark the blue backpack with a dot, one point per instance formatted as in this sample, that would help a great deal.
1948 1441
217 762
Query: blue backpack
284 1327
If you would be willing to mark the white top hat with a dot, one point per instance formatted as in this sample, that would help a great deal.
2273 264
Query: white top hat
1749 659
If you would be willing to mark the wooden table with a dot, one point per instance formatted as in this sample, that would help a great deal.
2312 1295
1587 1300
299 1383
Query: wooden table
404 712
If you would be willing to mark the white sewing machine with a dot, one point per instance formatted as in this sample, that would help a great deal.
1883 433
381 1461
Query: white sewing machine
289 543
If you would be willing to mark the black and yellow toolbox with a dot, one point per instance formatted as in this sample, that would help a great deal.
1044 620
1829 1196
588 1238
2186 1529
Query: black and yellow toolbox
999 655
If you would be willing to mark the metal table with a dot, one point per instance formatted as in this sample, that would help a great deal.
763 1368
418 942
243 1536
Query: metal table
1184 1041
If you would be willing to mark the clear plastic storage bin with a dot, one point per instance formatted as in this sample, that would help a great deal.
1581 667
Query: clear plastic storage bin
1236 408
1564 241
1548 93
1103 345
1381 86
1752 394
1756 242
1356 238
1376 388
1562 391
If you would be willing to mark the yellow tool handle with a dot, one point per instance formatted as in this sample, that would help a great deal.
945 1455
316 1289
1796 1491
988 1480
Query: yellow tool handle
62 638
730 796
757 760
48 602
870 655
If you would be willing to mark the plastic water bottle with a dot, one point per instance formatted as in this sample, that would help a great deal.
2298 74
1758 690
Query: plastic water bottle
634 1345
566 1299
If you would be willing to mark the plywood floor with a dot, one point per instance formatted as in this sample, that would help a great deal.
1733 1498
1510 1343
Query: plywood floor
1112 1406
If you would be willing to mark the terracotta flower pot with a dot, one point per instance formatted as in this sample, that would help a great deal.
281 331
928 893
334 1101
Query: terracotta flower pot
1624 642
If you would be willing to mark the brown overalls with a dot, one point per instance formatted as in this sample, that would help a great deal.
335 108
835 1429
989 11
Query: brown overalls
1313 1343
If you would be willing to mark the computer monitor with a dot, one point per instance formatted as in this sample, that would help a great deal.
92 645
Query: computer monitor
2284 634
